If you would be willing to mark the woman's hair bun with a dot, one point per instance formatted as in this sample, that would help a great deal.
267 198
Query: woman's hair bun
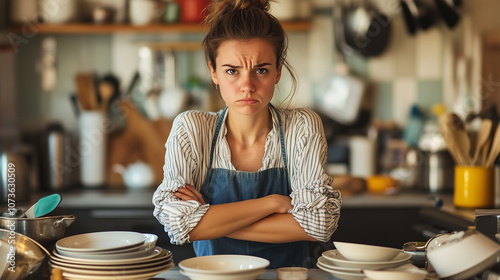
219 8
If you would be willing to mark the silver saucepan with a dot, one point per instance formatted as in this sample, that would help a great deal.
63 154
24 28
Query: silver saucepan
44 230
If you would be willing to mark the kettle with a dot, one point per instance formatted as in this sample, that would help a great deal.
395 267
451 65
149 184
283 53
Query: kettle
14 178
137 175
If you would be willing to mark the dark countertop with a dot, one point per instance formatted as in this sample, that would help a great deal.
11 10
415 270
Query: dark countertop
141 199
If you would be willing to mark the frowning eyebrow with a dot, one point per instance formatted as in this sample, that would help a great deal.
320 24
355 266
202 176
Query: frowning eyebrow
256 66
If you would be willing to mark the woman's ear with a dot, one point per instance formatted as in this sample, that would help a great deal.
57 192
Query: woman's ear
278 75
212 73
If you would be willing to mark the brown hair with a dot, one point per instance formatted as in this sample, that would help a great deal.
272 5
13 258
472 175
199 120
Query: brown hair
245 20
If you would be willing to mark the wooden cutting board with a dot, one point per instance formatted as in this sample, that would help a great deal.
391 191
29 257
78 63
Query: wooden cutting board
141 140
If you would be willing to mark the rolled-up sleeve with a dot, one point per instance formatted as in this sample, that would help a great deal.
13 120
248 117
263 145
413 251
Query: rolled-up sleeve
316 204
181 162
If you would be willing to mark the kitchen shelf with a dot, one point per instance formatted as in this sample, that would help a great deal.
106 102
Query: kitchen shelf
82 28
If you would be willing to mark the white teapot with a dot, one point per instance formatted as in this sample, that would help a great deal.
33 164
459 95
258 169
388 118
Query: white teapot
136 175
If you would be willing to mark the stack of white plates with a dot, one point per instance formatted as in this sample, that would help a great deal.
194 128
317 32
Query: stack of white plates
110 255
337 265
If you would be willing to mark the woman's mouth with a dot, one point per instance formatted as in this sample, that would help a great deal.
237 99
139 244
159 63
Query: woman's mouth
247 101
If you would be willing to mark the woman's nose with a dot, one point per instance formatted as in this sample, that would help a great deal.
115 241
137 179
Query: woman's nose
247 83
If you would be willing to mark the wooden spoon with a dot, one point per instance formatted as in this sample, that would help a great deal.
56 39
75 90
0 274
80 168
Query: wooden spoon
482 138
461 137
446 132
106 91
495 148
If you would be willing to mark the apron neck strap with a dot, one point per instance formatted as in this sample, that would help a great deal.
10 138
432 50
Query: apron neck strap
219 125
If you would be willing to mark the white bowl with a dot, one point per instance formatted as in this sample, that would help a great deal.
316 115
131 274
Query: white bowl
100 241
292 273
414 274
366 253
223 267
461 256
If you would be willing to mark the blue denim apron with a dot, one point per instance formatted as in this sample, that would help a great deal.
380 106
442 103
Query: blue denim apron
225 186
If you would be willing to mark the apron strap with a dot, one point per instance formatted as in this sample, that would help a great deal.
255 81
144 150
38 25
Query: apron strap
219 125
216 135
282 137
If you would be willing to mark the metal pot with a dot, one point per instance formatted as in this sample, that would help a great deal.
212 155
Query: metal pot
44 230
14 177
28 256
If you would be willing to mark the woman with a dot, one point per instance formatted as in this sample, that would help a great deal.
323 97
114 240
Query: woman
249 179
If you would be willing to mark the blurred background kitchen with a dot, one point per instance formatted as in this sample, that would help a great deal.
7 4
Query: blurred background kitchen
89 88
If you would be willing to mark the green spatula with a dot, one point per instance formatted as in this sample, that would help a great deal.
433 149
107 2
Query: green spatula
44 206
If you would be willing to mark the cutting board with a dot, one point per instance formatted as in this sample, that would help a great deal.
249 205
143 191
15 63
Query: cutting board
490 76
141 140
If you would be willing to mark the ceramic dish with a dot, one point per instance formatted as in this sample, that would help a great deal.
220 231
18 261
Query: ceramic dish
153 262
139 276
339 260
223 264
157 252
109 272
243 275
366 253
342 274
329 264
413 274
141 251
100 241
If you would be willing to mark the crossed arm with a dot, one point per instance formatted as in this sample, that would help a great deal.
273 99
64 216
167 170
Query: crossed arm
263 219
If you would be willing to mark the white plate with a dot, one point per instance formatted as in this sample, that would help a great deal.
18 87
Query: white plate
141 251
243 275
100 241
115 272
339 260
329 264
342 274
141 276
152 262
156 253
223 264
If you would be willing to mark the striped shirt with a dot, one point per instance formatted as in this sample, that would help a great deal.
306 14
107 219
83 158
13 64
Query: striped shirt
316 204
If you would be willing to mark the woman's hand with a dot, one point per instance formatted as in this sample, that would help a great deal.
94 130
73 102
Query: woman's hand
189 193
282 203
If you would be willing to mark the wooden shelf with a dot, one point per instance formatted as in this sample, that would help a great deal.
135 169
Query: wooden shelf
81 28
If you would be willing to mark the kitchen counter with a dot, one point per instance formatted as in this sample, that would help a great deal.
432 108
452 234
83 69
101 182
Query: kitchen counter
314 274
122 198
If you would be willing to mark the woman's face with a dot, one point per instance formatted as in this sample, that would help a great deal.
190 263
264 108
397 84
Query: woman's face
246 74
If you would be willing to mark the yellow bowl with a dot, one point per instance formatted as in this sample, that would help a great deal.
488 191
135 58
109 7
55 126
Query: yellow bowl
380 183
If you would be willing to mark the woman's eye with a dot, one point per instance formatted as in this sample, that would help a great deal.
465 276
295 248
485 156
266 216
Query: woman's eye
231 71
261 71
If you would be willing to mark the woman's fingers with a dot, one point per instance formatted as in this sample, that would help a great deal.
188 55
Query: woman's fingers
196 193
189 193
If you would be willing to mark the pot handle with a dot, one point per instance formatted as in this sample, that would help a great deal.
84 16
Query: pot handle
68 220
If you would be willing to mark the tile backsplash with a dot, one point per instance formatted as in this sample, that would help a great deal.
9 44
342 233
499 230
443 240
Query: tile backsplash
415 69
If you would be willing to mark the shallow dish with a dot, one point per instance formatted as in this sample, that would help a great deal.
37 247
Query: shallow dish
342 274
157 253
220 265
243 275
366 253
141 251
413 274
114 272
139 276
338 259
100 241
150 263
329 264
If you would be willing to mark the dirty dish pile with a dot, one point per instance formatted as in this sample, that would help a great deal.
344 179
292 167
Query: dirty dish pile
333 262
110 255
223 267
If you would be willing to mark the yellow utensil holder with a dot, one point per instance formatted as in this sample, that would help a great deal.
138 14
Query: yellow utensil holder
474 187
